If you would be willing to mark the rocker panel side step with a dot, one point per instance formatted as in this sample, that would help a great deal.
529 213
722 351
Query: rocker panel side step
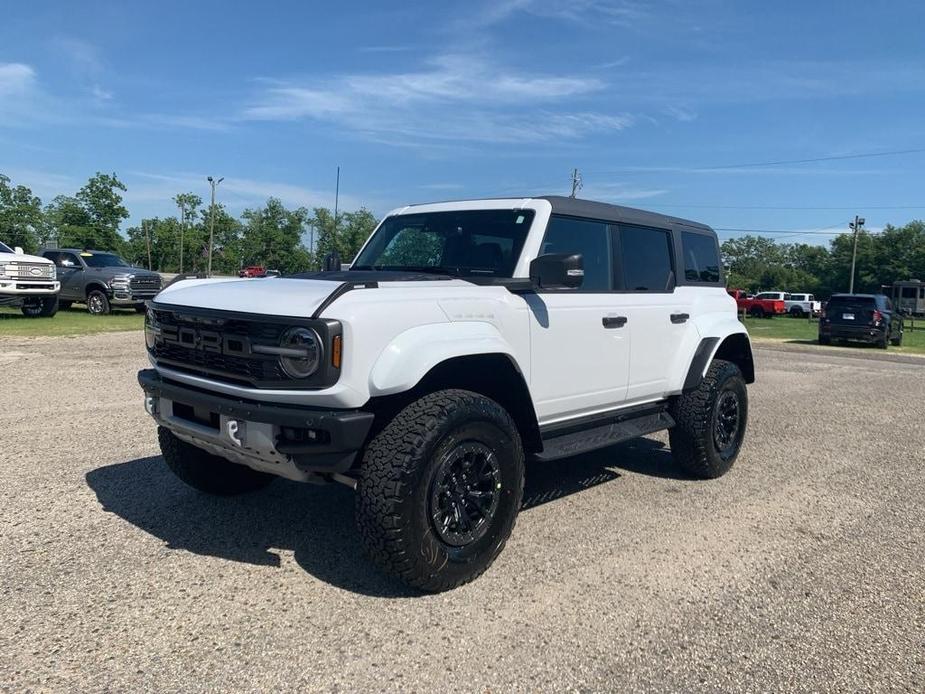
562 445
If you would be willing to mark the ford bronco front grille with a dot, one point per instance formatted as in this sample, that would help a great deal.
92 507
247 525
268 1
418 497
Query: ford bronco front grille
219 345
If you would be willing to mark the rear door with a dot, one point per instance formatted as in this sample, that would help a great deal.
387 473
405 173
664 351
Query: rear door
659 316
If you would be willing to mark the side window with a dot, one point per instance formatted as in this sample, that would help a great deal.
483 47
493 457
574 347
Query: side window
53 256
591 239
792 297
67 260
701 257
646 255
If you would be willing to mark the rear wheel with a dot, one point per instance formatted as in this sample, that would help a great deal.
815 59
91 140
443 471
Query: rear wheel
898 340
98 302
206 472
884 342
710 422
796 312
440 488
756 312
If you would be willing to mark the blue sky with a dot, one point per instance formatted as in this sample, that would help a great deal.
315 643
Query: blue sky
439 100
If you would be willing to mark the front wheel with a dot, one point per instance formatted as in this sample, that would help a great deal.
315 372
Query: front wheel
41 308
796 312
710 422
756 312
439 489
206 472
98 303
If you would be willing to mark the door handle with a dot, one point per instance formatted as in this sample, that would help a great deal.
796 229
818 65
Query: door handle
679 317
613 321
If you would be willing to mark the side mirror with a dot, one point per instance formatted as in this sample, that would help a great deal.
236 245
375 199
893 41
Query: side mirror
18 250
557 271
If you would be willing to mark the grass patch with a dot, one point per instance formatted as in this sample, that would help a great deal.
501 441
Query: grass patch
801 330
72 321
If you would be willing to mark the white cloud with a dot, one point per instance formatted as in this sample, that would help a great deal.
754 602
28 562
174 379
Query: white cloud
16 79
459 98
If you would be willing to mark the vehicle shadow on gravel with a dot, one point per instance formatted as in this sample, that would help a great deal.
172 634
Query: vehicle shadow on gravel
316 523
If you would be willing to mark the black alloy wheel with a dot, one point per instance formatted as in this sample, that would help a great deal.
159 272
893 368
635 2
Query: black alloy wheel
726 421
465 493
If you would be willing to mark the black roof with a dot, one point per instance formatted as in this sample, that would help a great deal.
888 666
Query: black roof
844 295
577 207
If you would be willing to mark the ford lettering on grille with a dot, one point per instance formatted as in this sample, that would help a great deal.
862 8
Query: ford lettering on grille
206 340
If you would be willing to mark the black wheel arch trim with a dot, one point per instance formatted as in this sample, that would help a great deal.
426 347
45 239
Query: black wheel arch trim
735 347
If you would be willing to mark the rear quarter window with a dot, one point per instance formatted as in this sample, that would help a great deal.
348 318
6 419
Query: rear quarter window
701 258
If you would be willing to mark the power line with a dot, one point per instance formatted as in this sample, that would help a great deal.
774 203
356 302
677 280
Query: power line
780 162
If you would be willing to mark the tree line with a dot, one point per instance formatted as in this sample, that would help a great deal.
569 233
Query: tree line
758 263
271 235
274 236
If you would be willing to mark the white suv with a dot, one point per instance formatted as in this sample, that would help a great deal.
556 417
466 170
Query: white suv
28 281
465 337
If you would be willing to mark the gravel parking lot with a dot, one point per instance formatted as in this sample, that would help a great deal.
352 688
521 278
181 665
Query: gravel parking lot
803 569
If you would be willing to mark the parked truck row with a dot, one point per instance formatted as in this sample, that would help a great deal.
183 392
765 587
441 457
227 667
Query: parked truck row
56 278
770 304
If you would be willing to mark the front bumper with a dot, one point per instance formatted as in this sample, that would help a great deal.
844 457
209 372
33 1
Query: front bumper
127 297
286 440
26 288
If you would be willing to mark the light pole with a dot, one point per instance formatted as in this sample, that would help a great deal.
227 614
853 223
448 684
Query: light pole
213 183
856 225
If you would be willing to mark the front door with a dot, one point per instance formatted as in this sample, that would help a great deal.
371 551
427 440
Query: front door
580 347
69 274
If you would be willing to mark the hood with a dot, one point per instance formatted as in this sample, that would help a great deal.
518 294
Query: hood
299 298
16 258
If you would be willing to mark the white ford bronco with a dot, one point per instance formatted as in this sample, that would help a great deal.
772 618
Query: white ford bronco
28 281
465 338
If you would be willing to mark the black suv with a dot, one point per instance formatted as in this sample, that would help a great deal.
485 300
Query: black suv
865 317
101 280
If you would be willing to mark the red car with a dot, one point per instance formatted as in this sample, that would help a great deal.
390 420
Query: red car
757 307
253 271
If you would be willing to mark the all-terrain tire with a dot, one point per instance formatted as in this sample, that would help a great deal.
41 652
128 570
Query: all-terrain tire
396 487
41 308
796 312
898 340
756 312
694 439
206 472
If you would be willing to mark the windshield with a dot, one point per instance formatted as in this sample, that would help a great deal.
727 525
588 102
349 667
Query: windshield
460 242
103 260
4 248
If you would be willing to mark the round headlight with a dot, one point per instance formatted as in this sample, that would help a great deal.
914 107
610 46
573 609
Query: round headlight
302 352
151 329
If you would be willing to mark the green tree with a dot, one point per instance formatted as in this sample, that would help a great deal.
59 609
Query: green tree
346 237
21 216
272 237
69 224
101 200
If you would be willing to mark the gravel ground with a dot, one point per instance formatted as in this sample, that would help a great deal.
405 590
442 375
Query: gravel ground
802 569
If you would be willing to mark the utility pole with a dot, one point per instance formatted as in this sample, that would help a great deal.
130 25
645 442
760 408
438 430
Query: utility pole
213 183
336 200
182 205
147 229
576 182
856 225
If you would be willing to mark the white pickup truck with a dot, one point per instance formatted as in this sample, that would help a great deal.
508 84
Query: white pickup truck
801 305
29 282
